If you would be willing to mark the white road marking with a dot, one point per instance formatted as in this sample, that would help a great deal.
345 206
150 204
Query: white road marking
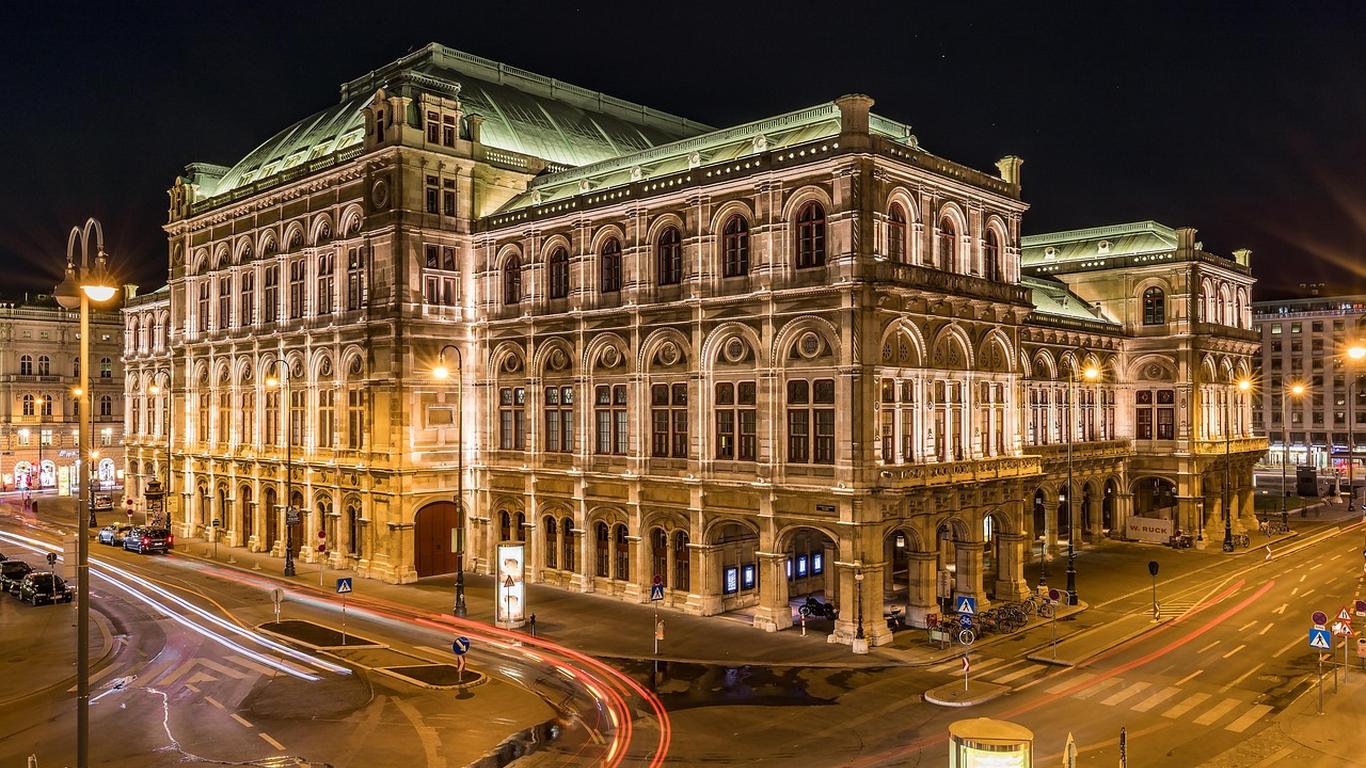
1303 577
1315 565
1245 627
1288 646
1243 677
241 720
1190 677
1191 702
1066 684
214 702
1235 650
1334 557
1281 609
1155 699
1249 717
1211 645
1267 628
1017 674
1219 710
1307 593
1126 693
271 741
1294 591
1103 685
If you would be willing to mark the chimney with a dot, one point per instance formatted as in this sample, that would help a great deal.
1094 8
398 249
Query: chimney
1185 239
854 114
475 121
1009 166
1243 256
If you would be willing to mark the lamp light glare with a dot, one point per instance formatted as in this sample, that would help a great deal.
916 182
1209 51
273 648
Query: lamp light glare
441 372
99 293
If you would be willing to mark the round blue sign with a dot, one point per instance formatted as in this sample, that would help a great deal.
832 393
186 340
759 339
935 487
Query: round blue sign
965 621
460 646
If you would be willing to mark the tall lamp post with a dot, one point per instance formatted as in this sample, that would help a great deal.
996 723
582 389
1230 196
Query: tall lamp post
1091 373
82 285
441 373
1356 353
1297 390
1243 386
282 381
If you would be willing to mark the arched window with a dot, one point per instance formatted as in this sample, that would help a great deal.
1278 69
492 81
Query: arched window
669 254
811 236
735 247
505 526
44 365
552 548
682 572
948 244
623 551
28 406
1154 306
567 542
610 266
26 365
604 550
47 404
896 233
512 281
559 274
991 256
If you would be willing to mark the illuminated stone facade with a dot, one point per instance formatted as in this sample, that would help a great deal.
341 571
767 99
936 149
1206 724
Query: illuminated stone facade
797 355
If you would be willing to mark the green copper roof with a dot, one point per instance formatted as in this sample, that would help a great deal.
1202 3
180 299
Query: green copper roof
1052 297
1096 242
523 112
718 147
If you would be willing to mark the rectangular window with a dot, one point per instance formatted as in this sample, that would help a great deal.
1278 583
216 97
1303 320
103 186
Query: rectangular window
203 305
432 192
45 437
248 418
224 418
1143 422
512 418
669 421
272 422
736 421
297 415
610 419
326 280
1166 424
224 302
246 314
355 280
448 130
270 310
448 197
559 419
433 127
327 414
297 268
355 419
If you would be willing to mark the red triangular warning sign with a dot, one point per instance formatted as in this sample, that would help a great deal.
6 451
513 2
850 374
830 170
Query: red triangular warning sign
1343 615
508 582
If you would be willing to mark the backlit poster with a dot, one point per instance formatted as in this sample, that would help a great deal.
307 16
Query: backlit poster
511 584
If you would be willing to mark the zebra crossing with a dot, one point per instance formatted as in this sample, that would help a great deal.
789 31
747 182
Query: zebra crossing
1169 701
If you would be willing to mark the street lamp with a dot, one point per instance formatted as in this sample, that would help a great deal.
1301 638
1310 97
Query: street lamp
283 383
860 642
1296 390
1091 374
82 285
441 373
1243 386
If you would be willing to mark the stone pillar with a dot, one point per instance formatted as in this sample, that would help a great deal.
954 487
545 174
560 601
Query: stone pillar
1248 510
588 558
875 631
968 579
1010 581
920 600
773 611
638 571
706 576
257 527
1050 524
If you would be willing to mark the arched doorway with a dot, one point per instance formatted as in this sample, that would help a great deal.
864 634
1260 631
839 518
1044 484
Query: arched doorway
244 531
1064 516
810 556
1040 516
271 510
432 527
1088 511
991 553
1107 507
945 566
731 546
223 514
1155 497
908 581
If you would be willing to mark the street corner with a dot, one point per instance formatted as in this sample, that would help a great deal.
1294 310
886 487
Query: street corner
958 694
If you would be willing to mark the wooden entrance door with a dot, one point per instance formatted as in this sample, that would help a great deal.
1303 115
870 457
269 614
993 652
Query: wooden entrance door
432 539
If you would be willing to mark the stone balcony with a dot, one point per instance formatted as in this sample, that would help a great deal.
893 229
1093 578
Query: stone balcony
1089 450
1218 447
960 472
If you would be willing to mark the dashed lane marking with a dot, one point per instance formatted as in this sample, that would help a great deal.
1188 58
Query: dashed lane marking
270 741
1190 677
1245 627
1219 710
1307 592
1242 677
214 702
1294 591
241 720
1211 645
1302 578
1126 693
1315 565
1156 698
1288 646
1235 650
1267 628
1190 703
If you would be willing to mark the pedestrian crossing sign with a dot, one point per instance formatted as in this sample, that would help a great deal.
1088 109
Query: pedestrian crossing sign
656 591
966 605
344 586
1320 638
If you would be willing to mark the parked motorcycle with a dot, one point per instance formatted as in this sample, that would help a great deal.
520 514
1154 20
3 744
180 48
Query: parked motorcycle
813 607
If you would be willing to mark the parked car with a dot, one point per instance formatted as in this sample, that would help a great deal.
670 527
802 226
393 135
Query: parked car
45 587
113 535
143 539
11 573
104 502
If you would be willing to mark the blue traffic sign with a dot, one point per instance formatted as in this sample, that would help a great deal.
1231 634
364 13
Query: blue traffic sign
1320 639
344 586
965 621
657 592
965 605
460 645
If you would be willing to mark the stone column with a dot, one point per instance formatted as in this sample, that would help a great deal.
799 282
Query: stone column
1050 523
968 579
706 577
1248 511
637 588
875 630
920 600
588 562
773 611
1010 581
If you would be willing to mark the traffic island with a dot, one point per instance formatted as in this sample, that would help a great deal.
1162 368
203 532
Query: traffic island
956 694
316 636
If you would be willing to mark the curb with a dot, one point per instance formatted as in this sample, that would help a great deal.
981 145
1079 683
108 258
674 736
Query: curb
106 636
957 650
993 692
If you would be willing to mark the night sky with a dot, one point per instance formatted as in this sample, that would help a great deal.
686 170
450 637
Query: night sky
1242 119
